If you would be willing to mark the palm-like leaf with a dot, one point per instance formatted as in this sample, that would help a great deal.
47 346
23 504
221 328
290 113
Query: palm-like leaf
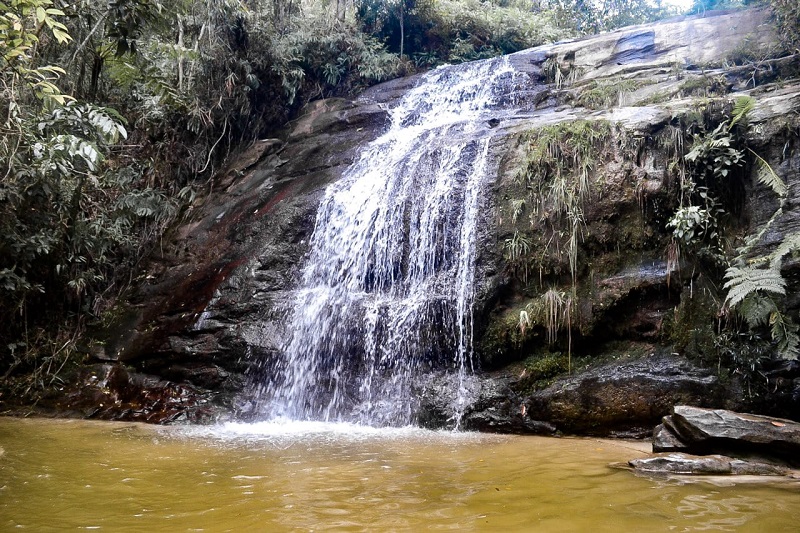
785 333
742 106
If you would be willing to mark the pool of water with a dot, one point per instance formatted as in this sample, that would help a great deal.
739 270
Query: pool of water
58 475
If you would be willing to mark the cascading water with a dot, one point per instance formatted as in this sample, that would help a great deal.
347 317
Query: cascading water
388 285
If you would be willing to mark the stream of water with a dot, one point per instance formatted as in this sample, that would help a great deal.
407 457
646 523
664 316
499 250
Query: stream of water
388 285
77 475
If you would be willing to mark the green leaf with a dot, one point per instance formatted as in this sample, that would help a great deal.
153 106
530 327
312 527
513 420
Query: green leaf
742 106
768 177
748 280
61 35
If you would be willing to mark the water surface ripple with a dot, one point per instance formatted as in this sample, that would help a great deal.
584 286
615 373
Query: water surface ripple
68 475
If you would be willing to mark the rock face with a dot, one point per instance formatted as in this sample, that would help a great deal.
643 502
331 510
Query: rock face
703 430
111 392
213 303
623 398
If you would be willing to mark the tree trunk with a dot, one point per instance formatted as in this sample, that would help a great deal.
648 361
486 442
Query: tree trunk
97 67
341 10
402 26
180 53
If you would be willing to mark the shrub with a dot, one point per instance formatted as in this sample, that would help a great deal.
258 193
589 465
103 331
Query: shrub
787 16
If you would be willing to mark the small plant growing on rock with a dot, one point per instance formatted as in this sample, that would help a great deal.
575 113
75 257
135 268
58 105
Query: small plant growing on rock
707 181
559 162
554 310
715 152
692 224
601 95
515 250
787 15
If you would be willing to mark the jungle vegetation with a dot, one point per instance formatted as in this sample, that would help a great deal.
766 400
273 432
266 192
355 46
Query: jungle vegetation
115 114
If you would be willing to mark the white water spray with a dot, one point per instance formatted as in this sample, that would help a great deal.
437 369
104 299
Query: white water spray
388 285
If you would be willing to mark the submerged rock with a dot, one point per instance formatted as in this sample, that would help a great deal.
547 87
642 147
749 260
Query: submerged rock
681 463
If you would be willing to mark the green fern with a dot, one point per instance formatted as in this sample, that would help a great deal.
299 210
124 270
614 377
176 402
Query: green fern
785 333
767 176
742 106
790 244
757 310
748 280
749 287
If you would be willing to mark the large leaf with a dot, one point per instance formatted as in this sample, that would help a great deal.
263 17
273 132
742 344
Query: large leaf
748 280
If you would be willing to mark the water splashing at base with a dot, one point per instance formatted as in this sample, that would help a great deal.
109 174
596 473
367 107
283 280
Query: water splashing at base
388 285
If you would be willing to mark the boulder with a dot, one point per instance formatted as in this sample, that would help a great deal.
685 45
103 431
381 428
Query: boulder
488 404
624 395
711 430
665 440
623 398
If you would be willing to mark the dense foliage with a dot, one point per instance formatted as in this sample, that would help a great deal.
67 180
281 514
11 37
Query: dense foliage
114 113
787 13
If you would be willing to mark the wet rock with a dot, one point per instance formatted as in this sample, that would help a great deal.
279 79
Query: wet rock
111 392
624 395
665 440
204 375
336 114
783 377
496 419
487 404
682 40
226 268
635 46
709 430
681 463
622 399
632 303
498 409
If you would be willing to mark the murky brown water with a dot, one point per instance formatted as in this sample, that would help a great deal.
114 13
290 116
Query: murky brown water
70 475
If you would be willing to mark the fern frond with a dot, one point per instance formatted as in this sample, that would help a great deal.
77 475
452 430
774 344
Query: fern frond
790 244
742 106
752 240
748 280
757 310
767 176
784 332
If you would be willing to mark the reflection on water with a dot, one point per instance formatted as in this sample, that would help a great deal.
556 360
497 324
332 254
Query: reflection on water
713 513
57 475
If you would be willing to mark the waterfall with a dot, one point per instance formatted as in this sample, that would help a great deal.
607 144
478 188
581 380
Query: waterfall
387 288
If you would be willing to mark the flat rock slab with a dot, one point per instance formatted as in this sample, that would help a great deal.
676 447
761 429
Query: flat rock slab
699 430
685 464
